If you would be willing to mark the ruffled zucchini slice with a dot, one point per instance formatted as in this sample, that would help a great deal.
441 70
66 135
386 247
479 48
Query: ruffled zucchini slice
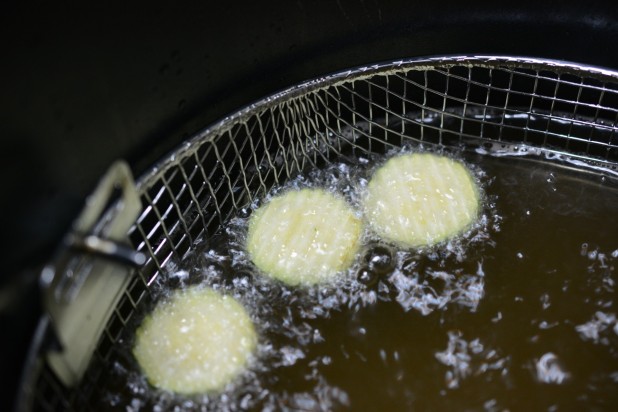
421 199
197 341
304 236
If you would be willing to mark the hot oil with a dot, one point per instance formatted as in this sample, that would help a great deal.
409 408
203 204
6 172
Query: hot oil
516 313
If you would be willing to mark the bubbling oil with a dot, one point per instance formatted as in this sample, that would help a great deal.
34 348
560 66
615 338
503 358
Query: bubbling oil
518 312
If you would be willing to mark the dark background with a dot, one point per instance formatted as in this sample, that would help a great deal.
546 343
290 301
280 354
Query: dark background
81 88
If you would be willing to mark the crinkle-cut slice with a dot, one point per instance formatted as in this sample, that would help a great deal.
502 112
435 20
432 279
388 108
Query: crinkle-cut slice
198 341
304 237
420 199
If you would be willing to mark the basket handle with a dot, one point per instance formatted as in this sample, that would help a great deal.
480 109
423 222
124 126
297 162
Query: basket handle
88 276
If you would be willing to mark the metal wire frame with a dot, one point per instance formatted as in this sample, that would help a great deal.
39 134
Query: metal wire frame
555 107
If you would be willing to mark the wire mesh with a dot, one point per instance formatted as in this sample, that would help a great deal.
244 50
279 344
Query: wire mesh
551 107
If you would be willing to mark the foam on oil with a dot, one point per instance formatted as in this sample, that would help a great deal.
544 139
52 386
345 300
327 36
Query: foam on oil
518 312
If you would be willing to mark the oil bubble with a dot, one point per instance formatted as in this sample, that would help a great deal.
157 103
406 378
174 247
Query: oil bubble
367 276
379 259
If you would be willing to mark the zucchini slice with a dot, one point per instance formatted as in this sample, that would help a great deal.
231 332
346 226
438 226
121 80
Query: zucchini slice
304 237
421 199
196 342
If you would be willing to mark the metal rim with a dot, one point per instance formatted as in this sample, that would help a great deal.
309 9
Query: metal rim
359 73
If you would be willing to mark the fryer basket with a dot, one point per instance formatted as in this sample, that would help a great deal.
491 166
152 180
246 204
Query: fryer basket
533 107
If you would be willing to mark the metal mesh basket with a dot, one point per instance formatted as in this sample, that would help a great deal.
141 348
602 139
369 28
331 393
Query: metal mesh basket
532 106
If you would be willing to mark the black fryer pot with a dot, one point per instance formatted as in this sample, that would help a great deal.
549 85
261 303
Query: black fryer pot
83 89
